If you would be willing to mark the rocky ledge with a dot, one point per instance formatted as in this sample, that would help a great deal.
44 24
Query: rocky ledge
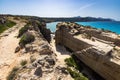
98 49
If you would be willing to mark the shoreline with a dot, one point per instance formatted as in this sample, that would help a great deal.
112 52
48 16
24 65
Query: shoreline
93 24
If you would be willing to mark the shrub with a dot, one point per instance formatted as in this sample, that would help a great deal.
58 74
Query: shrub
6 25
10 24
24 62
26 38
73 68
70 62
23 30
12 74
76 75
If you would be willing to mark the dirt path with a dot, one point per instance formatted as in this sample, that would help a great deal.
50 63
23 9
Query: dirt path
9 59
61 52
8 43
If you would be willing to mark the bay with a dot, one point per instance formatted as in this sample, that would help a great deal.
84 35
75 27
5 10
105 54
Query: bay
113 26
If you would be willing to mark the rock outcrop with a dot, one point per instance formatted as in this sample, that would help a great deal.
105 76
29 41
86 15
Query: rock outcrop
36 59
42 27
98 49
42 60
3 20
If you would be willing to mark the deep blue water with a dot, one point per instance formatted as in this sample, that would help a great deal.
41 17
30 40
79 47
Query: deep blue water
112 26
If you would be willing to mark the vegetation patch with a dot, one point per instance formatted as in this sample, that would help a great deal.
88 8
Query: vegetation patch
12 74
26 38
76 75
73 69
70 62
6 26
23 30
23 62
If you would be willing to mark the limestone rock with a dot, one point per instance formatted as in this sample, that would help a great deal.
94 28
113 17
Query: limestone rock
38 72
46 51
2 20
50 60
62 69
28 48
97 53
17 49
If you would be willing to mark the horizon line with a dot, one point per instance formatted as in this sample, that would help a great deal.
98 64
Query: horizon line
56 16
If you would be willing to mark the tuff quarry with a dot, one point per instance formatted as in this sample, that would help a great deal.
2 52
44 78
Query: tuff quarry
98 49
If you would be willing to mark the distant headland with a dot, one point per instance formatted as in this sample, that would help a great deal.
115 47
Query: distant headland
65 19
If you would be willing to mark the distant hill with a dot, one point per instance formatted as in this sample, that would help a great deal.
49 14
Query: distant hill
77 19
65 19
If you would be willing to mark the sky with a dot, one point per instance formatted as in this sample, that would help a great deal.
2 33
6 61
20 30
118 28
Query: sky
62 8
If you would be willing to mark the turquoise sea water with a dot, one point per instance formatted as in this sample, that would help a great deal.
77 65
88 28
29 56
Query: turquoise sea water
112 26
52 26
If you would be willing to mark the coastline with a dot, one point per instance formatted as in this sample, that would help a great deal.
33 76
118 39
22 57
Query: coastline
112 26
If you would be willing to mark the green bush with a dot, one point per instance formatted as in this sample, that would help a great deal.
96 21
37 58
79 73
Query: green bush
70 62
12 74
7 25
24 62
23 30
73 68
26 38
76 75
10 24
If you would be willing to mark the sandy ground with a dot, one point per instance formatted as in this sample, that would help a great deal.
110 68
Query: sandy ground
8 59
61 52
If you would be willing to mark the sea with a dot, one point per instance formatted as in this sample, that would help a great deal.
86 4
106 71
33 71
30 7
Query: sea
113 26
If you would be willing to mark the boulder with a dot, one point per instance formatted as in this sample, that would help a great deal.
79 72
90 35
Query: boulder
62 69
38 72
50 60
28 48
2 20
17 49
46 52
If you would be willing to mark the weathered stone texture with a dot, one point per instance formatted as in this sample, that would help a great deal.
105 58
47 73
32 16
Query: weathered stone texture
64 38
98 60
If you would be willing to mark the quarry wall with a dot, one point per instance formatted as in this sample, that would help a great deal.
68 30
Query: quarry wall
97 34
64 38
95 59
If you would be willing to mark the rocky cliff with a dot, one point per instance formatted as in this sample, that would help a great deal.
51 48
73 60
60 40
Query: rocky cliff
25 53
41 64
96 48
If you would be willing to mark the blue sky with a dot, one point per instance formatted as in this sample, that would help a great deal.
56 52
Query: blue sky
62 8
